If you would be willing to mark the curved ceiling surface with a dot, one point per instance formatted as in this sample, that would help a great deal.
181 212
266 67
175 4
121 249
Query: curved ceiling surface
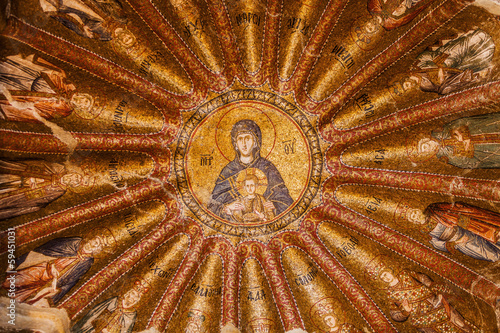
250 166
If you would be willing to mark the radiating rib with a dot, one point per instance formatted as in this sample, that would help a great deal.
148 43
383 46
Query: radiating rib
340 276
202 76
196 30
269 259
100 282
226 38
105 69
202 300
257 305
374 265
49 143
298 22
164 310
36 229
150 277
310 55
405 43
247 20
481 96
405 246
318 297
399 210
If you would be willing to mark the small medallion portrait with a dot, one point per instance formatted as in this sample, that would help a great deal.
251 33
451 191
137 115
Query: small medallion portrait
244 163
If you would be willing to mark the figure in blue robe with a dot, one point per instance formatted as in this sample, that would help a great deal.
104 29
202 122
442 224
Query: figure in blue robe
226 190
45 274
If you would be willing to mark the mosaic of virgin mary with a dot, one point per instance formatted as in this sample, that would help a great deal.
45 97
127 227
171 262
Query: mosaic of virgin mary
227 198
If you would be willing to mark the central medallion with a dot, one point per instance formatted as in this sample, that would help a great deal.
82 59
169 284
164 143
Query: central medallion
248 163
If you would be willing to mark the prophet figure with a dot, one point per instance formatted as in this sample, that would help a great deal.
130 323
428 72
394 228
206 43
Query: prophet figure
396 13
33 88
29 185
114 315
457 64
88 19
416 298
472 230
246 139
45 274
468 143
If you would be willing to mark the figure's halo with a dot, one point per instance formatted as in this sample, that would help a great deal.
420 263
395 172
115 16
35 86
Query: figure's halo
235 113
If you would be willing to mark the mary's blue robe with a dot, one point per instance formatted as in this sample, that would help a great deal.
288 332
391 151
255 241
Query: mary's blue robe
226 186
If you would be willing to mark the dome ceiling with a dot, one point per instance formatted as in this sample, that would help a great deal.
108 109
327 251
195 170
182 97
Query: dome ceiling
250 166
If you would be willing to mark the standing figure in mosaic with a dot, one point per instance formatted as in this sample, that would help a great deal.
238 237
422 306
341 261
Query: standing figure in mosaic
88 19
29 185
246 139
416 298
472 230
395 13
468 143
114 315
455 64
45 274
32 88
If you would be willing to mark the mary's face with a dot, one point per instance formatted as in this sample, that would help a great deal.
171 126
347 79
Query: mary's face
245 143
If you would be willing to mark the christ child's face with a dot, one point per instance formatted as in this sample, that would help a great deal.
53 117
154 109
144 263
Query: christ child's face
250 186
72 179
131 298
245 143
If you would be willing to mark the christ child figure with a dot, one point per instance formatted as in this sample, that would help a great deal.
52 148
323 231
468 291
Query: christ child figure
253 207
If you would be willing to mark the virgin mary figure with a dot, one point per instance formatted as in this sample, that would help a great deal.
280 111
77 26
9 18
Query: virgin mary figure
246 138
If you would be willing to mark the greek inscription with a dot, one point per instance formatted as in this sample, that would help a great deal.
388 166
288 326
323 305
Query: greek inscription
205 291
194 28
248 18
116 178
257 295
119 116
148 62
343 56
365 105
206 160
305 279
289 146
347 247
298 25
379 156
372 205
130 224
158 271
